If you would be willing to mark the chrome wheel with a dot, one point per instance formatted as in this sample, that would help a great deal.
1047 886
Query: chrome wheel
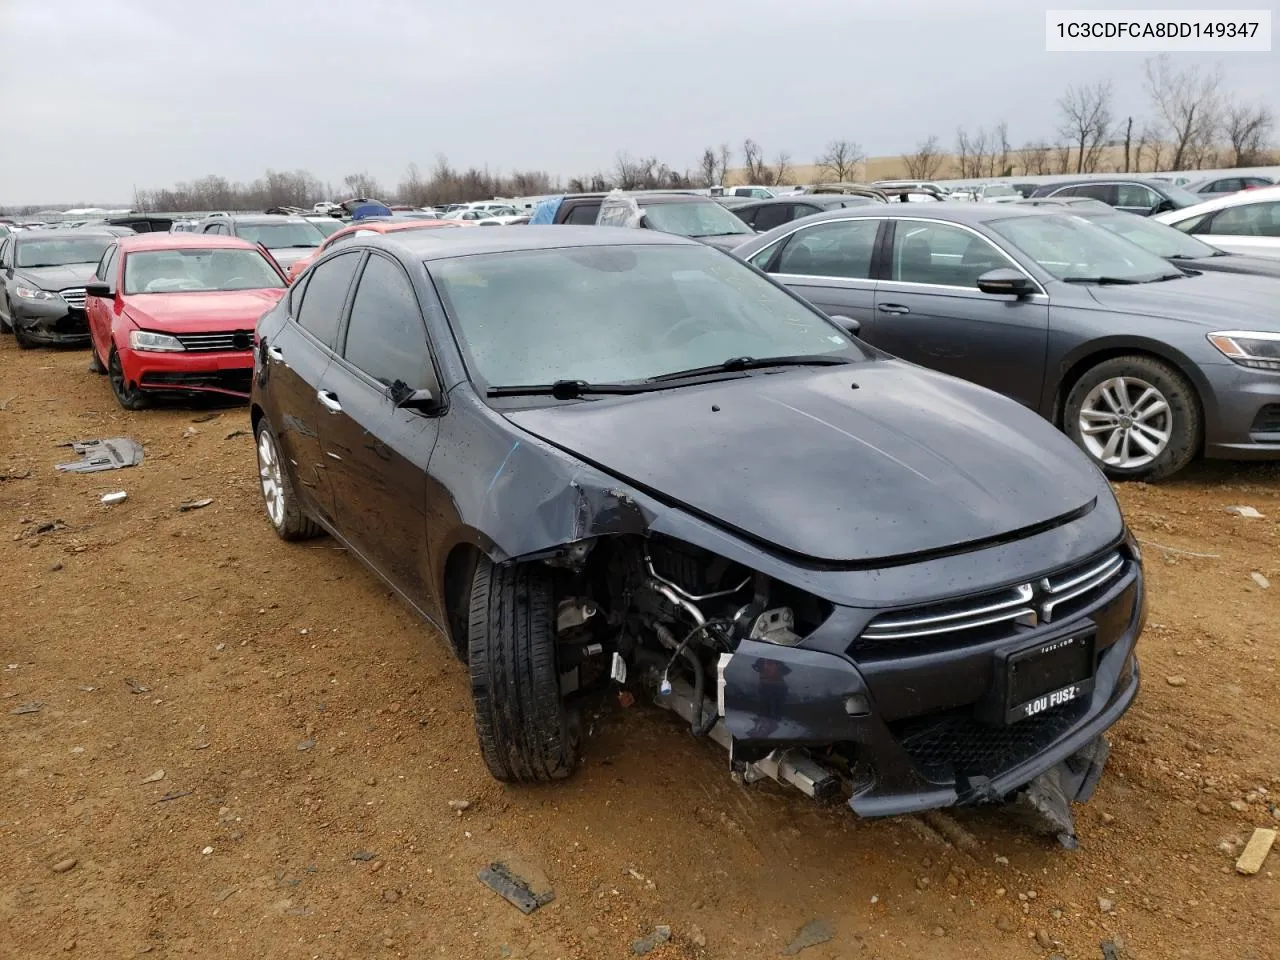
1125 422
272 479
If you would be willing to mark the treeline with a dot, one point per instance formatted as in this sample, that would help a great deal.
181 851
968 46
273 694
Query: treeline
1192 122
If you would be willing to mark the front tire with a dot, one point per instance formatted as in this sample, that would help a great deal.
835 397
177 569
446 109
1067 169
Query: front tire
24 342
526 734
129 397
1136 416
95 363
286 516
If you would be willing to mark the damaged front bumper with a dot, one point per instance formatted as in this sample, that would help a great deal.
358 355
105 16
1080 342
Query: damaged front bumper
51 322
912 732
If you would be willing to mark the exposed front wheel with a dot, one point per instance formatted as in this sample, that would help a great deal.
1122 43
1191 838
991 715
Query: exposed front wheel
286 516
127 395
526 734
1137 417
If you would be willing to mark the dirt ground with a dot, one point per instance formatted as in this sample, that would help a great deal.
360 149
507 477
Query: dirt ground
312 734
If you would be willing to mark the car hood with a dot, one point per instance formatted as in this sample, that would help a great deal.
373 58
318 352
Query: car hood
728 241
59 278
1235 263
200 312
911 462
288 256
1213 299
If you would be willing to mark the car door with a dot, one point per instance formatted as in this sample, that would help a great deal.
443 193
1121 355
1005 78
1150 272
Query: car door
1252 228
377 452
829 264
930 311
1137 199
297 357
99 311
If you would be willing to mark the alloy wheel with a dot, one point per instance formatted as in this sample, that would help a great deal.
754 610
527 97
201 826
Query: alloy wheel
272 479
1125 423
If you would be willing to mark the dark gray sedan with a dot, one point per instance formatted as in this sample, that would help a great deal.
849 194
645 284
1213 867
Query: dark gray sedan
1143 364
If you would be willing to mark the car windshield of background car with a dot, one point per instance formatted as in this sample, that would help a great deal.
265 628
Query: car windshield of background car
1157 238
1072 248
281 236
60 253
621 313
198 271
693 219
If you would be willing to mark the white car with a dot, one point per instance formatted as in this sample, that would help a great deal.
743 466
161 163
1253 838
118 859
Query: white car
325 207
1247 222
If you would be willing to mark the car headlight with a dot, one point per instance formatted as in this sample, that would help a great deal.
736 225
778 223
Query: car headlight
32 293
1249 348
156 342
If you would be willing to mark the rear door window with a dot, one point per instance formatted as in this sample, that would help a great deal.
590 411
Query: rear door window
773 215
326 295
1247 220
583 214
840 249
1106 192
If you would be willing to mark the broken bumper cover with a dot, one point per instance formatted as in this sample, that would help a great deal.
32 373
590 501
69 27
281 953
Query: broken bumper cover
909 745
51 321
229 373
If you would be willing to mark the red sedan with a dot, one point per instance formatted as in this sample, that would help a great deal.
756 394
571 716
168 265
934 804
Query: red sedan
364 228
175 313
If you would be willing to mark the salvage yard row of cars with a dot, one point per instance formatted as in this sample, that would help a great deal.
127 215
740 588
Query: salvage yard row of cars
835 494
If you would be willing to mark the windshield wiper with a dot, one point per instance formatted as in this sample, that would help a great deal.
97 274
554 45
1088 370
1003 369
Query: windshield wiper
735 364
1122 281
566 389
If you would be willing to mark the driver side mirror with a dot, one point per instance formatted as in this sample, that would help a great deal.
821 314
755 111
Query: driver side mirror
405 397
99 288
1007 282
847 324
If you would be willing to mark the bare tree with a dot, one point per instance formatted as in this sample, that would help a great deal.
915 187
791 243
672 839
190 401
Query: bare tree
707 167
413 188
1036 160
725 157
1000 166
1128 143
781 169
361 185
1149 153
974 153
1062 158
1189 104
1086 122
1248 129
926 162
841 160
754 167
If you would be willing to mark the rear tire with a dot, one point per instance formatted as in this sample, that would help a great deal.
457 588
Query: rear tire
525 732
129 397
283 510
1137 417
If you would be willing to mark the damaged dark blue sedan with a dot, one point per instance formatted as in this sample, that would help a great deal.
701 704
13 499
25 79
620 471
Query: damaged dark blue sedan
595 457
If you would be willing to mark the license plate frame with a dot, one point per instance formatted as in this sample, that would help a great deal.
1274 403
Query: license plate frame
1049 674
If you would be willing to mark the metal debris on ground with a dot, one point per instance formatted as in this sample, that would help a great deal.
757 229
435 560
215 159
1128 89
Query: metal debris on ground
1255 852
114 453
1247 512
515 890
811 934
136 687
194 505
206 418
33 707
236 433
175 796
118 496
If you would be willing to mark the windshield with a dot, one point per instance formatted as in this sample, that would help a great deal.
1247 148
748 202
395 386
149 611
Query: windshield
198 271
613 314
60 252
1157 238
707 219
279 236
328 227
1183 198
1073 248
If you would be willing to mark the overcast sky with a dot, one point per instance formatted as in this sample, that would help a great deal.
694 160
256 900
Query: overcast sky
99 95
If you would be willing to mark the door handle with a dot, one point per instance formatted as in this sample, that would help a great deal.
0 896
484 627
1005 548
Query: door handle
329 400
892 308
275 353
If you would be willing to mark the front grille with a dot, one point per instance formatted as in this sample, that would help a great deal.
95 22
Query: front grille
944 746
230 381
989 616
1267 420
74 297
209 342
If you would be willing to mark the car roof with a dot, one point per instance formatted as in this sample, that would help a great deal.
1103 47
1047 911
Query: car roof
72 233
182 241
1256 195
945 210
393 226
441 244
263 218
1117 178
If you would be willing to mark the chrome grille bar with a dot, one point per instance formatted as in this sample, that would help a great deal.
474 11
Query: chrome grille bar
1011 605
74 296
1077 586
